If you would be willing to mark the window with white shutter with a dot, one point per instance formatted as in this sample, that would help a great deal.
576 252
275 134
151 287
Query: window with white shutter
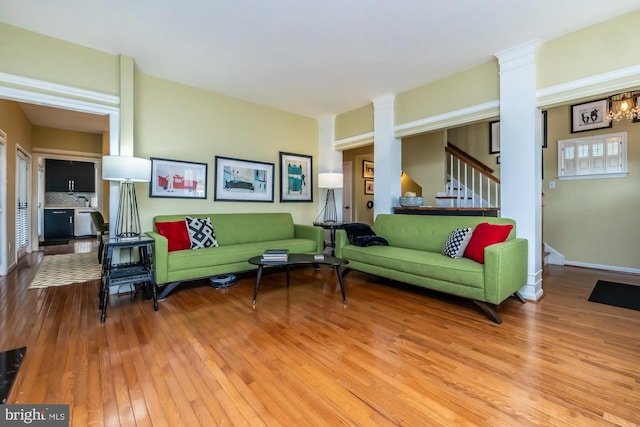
23 165
600 156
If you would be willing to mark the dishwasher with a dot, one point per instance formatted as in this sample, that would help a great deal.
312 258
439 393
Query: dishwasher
82 224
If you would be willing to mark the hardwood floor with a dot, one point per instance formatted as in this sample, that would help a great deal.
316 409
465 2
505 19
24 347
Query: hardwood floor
396 355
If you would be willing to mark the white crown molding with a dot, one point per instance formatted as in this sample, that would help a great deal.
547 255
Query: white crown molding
37 98
453 118
356 141
63 154
612 81
34 84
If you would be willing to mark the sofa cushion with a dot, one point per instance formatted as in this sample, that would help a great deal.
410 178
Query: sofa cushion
233 254
420 263
457 242
485 234
176 234
201 233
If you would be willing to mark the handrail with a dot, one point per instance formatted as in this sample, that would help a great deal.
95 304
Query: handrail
471 161
471 183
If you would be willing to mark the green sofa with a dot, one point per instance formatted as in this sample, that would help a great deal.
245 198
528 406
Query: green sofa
240 236
414 256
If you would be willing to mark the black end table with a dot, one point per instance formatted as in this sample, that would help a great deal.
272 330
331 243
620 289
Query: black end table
332 227
299 259
137 273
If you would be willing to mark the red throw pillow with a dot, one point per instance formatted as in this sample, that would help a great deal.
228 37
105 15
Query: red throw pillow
176 233
485 234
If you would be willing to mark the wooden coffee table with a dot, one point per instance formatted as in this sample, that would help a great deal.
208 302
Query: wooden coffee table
299 259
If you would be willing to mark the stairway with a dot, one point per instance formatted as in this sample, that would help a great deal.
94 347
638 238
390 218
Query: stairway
470 183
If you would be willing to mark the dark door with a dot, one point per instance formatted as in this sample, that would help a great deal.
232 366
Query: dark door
84 177
57 175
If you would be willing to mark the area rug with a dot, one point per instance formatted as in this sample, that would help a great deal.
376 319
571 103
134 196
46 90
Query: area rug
58 270
617 294
53 242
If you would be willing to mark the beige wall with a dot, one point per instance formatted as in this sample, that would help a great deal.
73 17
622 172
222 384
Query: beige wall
40 57
174 121
18 129
601 48
592 221
423 160
477 85
355 122
60 139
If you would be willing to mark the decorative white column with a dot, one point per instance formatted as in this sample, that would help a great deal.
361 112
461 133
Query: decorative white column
387 157
329 160
521 155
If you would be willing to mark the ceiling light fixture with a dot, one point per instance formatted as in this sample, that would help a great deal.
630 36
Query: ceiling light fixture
623 106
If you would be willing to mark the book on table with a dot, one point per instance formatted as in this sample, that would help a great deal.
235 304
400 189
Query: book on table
275 255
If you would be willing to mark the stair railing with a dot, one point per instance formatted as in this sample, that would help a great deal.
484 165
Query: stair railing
475 185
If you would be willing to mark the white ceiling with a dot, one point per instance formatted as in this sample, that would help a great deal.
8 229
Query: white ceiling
310 57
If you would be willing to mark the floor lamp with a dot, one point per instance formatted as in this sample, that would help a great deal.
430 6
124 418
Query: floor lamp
330 181
127 170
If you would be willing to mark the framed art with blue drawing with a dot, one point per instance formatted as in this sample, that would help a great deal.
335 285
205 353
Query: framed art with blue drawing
589 116
243 180
296 178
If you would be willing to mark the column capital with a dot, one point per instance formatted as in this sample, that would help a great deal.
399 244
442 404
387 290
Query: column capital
384 102
518 56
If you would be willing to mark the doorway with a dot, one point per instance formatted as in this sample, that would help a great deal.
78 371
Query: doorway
347 196
3 204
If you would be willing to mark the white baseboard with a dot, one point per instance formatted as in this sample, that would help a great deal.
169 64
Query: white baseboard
603 267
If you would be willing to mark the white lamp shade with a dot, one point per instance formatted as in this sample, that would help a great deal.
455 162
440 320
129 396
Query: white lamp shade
330 180
126 168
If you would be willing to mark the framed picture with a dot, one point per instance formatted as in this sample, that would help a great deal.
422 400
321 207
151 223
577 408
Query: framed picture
368 186
178 179
494 137
589 116
367 169
243 180
544 129
296 184
636 119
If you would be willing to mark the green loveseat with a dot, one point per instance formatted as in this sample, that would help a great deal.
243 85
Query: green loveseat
414 256
240 236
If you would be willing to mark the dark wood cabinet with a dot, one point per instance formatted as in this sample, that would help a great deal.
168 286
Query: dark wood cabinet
58 224
69 176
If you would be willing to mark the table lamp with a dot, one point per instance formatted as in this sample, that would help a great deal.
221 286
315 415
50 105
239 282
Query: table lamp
330 181
127 170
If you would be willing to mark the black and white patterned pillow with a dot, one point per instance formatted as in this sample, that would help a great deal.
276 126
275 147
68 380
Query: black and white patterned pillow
457 242
201 233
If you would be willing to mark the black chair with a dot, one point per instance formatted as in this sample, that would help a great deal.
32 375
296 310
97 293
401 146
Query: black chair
103 230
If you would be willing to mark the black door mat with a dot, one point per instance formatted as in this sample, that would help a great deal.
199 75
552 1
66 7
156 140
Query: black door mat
9 365
617 294
54 242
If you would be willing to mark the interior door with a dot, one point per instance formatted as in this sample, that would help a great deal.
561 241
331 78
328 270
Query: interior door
3 204
347 202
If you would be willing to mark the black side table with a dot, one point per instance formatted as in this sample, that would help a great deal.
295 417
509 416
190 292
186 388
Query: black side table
137 273
332 227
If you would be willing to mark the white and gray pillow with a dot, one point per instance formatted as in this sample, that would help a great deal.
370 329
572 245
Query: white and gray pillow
201 233
457 242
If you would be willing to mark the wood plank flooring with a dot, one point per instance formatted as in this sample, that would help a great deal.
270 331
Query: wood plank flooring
396 355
